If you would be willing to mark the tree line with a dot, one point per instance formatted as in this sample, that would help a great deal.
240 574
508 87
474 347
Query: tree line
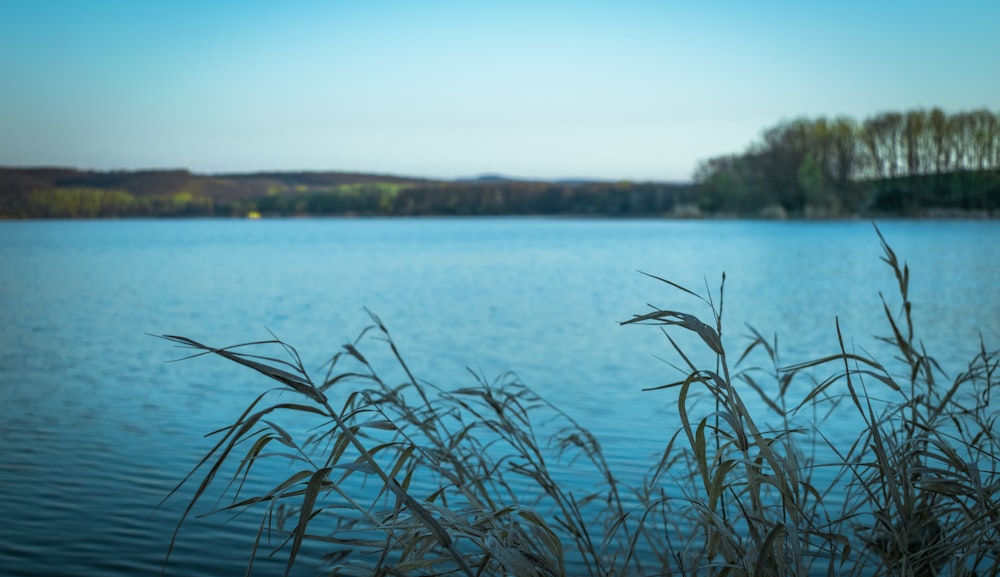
899 163
892 163
481 199
112 203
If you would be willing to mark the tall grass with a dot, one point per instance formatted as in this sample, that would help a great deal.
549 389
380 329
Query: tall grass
395 476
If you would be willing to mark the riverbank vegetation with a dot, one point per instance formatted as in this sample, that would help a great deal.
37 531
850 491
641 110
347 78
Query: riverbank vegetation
916 163
392 475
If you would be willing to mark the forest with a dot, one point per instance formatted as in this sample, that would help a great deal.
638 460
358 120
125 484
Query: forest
907 164
915 164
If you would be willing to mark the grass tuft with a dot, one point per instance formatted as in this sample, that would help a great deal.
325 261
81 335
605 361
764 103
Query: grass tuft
395 476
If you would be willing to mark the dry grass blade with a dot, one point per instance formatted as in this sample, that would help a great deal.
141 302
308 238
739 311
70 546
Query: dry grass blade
676 286
684 320
295 382
316 482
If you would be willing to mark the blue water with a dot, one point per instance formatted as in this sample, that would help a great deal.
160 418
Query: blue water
96 426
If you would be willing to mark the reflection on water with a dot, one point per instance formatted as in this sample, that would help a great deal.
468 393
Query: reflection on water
97 428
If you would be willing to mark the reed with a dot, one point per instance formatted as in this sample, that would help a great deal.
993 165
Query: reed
395 476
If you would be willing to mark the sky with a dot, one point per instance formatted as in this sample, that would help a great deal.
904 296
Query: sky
620 90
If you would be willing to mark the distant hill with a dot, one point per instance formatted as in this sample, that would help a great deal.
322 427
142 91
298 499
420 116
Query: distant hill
71 193
489 179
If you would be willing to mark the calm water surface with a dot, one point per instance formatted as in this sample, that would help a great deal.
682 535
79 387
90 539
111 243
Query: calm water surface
97 427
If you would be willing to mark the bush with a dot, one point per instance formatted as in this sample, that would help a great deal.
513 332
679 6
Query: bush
473 481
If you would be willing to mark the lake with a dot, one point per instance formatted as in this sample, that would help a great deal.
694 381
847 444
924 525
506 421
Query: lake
97 426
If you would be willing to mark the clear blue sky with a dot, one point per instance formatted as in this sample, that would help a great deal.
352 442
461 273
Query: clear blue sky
621 89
